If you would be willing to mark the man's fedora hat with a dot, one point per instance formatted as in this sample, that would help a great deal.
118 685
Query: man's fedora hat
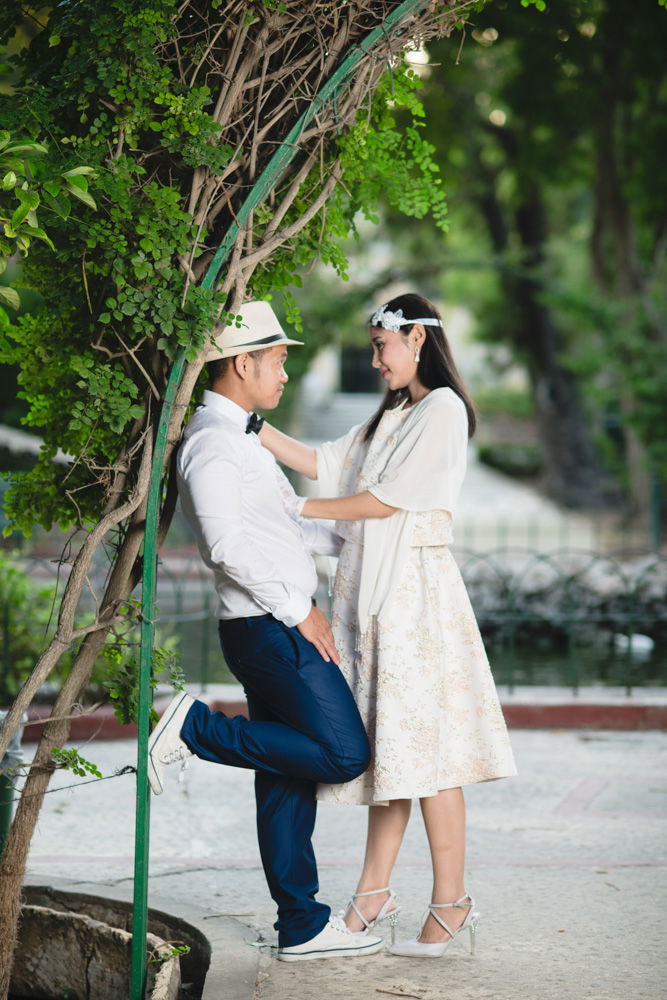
260 329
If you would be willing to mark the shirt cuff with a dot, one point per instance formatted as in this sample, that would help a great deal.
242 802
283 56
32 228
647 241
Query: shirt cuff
298 506
294 611
329 542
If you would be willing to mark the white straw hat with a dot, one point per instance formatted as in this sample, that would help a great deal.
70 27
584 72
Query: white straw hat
260 329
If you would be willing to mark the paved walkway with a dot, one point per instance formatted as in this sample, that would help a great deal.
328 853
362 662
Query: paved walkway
567 863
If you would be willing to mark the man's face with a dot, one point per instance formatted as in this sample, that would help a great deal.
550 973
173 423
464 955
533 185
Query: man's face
267 377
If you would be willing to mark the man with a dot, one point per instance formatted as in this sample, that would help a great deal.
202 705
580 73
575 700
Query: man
304 726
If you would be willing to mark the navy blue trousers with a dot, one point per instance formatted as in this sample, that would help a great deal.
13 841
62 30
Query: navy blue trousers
304 727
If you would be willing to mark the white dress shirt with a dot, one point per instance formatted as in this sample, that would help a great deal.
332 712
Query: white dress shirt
245 516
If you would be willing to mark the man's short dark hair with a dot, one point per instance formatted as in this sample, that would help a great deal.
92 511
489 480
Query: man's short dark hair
216 369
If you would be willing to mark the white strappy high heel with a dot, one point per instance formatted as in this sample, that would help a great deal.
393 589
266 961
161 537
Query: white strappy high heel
386 912
436 949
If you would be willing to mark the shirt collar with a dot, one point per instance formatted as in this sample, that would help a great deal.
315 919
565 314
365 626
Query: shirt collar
226 408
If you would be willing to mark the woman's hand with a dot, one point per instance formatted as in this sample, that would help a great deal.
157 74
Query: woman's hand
358 507
289 451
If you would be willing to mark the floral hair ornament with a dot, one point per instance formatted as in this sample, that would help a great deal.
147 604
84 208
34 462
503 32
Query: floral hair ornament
395 320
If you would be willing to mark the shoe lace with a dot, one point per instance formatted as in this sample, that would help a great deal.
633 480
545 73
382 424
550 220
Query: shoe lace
339 924
178 753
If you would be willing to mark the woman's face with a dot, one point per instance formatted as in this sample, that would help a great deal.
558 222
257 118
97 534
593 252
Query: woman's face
394 357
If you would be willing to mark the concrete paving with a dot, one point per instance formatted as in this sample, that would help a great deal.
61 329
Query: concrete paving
567 863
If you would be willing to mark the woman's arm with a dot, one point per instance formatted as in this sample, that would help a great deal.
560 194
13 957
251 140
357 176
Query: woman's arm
289 451
357 507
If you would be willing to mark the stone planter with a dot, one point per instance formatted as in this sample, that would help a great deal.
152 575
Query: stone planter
79 947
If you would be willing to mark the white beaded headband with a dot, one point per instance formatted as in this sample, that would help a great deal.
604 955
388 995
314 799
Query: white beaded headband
395 320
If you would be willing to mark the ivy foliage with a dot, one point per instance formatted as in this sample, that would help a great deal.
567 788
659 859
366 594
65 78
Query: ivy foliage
119 301
122 679
71 760
23 191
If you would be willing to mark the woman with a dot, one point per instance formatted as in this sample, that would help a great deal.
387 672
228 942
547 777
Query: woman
408 640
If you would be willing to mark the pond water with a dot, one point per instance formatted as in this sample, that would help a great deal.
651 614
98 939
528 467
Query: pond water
584 666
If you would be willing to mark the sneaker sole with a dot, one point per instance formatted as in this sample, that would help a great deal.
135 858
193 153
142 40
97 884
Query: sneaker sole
309 956
153 777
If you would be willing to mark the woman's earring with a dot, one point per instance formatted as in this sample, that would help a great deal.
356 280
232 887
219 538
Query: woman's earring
416 355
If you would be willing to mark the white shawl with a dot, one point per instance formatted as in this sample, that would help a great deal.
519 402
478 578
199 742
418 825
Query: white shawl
423 471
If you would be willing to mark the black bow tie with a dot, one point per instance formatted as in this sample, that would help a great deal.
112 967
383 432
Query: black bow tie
254 424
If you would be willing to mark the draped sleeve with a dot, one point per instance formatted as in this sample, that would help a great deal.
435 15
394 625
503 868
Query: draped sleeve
425 469
333 457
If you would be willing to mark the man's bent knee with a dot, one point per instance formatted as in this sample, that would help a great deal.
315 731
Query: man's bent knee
346 767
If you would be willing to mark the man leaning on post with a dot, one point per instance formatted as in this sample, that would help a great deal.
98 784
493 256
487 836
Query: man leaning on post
304 726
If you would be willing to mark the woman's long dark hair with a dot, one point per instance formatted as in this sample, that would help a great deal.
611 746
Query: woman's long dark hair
436 368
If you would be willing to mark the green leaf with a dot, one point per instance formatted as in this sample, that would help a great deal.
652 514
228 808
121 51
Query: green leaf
78 171
76 181
29 198
17 148
10 297
83 196
61 205
37 233
19 215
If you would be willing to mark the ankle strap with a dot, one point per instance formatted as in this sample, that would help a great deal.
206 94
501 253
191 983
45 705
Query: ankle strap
463 901
373 892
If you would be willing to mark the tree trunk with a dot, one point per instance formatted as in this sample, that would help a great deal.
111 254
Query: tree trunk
614 267
15 855
615 262
574 475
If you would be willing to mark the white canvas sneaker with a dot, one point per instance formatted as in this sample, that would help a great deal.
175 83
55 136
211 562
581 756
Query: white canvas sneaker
333 941
165 745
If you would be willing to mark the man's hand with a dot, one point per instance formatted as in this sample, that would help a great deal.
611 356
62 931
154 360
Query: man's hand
316 629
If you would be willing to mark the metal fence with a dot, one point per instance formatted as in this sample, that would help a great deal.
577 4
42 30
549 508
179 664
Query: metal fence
567 616
571 616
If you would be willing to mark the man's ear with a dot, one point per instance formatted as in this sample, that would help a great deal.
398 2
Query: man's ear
241 365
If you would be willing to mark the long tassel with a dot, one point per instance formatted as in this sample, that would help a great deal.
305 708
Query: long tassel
362 637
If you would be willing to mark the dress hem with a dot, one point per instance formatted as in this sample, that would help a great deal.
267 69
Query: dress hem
384 800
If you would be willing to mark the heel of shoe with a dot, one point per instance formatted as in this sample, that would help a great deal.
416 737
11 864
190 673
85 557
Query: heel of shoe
392 920
384 913
473 932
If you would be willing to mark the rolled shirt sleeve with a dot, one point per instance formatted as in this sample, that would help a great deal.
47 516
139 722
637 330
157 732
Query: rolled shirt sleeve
319 536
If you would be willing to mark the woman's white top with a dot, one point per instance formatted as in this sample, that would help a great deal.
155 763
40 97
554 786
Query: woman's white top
417 464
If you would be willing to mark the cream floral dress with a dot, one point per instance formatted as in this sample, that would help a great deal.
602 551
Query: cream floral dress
421 678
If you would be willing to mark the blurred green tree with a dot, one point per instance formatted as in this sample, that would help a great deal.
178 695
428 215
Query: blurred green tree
552 131
550 127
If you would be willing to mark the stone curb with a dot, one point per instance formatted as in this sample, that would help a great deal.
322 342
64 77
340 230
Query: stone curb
525 708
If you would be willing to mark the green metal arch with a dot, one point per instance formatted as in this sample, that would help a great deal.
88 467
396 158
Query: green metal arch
262 187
